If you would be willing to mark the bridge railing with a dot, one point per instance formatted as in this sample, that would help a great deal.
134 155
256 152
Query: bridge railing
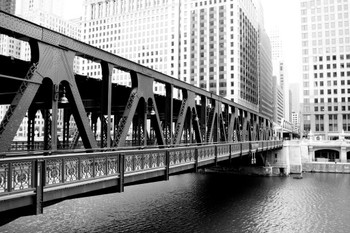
35 174
140 160
63 169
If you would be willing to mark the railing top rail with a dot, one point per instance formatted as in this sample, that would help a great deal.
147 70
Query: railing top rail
113 152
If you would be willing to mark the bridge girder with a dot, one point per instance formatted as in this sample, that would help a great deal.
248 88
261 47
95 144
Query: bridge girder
172 119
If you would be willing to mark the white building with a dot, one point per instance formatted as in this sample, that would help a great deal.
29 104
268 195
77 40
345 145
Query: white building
279 68
146 32
326 67
211 44
296 121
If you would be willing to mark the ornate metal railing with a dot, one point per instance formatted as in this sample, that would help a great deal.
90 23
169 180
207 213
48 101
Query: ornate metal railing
206 152
73 168
35 174
178 156
144 160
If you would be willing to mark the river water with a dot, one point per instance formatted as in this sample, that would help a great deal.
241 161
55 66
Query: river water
205 203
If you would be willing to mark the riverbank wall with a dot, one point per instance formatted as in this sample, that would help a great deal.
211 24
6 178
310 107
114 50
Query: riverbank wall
301 156
327 167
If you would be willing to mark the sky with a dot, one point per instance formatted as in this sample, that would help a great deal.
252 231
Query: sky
73 8
284 14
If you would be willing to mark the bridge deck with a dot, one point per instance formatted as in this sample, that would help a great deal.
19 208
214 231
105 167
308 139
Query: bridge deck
31 181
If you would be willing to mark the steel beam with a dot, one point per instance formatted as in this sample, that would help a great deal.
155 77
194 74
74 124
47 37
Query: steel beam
18 108
20 28
106 103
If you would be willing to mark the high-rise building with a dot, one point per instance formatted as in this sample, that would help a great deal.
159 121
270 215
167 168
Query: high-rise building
146 32
210 44
325 67
295 88
265 77
224 44
279 68
8 6
28 7
278 101
9 46
295 99
296 121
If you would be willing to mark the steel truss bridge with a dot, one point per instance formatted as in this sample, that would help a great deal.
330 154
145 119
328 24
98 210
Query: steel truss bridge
187 130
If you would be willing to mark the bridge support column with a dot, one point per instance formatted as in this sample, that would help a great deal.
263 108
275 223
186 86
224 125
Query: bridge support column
343 155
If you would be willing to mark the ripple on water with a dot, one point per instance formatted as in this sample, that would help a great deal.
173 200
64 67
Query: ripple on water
205 203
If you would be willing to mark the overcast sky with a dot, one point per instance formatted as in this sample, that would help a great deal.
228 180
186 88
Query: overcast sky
284 14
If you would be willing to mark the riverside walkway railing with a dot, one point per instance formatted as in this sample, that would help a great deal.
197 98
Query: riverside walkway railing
33 180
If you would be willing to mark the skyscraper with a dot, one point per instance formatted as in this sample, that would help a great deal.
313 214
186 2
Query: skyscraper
326 67
211 44
279 68
146 32
8 6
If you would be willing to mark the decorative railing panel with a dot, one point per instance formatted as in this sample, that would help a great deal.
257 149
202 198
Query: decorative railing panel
86 168
261 145
71 169
22 175
112 165
181 156
206 152
66 169
245 146
235 148
16 176
54 168
4 168
223 150
144 160
100 166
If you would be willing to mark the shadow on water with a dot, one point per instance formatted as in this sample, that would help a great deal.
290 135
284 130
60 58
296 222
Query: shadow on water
12 215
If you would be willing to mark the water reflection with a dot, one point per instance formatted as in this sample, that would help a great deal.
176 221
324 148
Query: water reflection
205 203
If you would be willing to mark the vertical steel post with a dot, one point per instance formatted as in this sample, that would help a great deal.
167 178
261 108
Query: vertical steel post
121 173
9 181
196 160
216 155
167 165
230 155
168 118
54 117
39 179
203 118
106 103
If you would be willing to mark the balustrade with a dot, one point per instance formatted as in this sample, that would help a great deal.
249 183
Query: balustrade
36 174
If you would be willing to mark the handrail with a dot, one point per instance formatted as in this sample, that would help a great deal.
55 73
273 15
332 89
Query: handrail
35 172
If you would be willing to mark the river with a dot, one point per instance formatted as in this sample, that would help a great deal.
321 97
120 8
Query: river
205 203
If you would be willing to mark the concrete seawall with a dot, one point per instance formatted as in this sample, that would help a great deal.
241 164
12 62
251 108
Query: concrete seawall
330 167
300 156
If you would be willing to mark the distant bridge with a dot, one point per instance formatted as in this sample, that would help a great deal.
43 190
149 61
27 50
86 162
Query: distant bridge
193 129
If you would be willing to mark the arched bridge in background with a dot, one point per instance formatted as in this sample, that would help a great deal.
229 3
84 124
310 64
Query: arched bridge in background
180 129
